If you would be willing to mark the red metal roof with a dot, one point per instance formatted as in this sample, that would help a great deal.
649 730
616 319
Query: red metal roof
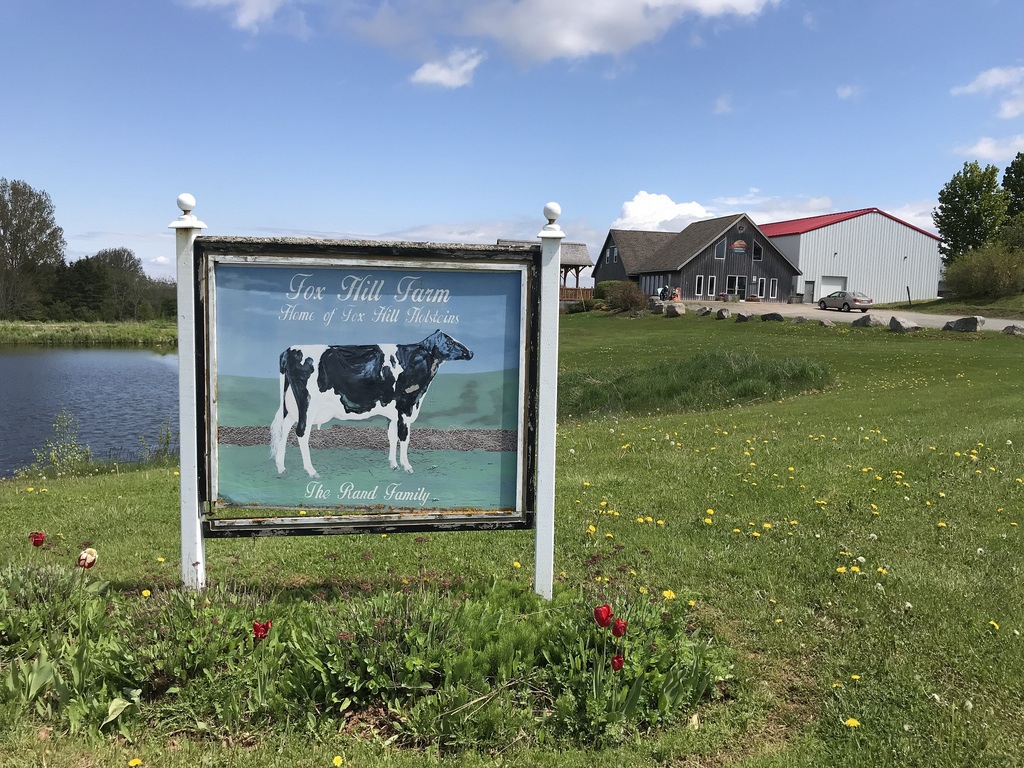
802 226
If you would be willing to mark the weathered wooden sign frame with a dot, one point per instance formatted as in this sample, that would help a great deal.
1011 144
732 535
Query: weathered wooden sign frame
198 392
324 323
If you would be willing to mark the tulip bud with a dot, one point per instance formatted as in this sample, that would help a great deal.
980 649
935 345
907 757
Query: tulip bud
87 558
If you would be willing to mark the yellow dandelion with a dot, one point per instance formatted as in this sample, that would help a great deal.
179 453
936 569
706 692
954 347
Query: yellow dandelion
708 521
586 483
766 525
609 535
146 593
337 761
854 569
661 522
516 564
134 762
643 590
691 603
855 677
941 524
668 594
837 685
710 512
996 626
841 569
756 535
160 560
736 530
851 722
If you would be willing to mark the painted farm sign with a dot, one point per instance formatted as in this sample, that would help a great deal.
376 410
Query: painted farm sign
367 386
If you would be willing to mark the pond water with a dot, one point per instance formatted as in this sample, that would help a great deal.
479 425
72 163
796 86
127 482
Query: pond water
117 396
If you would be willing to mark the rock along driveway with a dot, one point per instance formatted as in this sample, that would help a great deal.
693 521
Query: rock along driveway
812 313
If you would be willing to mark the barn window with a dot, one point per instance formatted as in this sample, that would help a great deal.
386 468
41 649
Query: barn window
773 288
720 249
758 251
699 290
730 284
711 285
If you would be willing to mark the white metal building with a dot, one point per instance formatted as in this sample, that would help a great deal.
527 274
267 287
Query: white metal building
867 250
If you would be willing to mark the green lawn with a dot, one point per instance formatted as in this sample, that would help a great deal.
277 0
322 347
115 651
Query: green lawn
854 550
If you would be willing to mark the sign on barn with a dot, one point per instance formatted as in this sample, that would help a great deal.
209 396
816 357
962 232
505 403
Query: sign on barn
356 386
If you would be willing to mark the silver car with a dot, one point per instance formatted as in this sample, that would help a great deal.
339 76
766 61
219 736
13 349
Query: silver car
846 300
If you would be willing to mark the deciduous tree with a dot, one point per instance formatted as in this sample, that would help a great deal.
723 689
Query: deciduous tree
971 210
1013 185
31 250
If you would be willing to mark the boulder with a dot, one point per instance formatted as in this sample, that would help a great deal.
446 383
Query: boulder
723 314
743 317
902 325
772 317
1014 330
656 307
675 309
704 311
799 319
869 321
826 324
965 324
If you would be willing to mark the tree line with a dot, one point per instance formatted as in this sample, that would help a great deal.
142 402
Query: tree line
38 283
981 223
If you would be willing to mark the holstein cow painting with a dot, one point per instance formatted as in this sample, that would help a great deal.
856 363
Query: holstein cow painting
321 382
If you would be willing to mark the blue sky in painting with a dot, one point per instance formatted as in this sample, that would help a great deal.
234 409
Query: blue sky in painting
261 310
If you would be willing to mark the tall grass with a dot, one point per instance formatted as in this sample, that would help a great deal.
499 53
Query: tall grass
857 548
82 334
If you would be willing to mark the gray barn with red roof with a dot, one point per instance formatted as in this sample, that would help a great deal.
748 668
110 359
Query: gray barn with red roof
866 250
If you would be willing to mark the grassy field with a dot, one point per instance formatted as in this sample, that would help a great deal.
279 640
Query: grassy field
81 334
853 548
1006 307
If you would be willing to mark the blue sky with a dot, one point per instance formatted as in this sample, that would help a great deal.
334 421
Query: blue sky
441 120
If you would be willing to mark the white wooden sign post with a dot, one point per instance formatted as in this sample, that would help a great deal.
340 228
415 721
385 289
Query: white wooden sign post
550 272
193 552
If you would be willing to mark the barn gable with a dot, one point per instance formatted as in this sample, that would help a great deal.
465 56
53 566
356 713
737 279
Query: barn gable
725 255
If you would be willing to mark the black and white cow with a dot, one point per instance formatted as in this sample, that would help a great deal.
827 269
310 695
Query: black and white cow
321 382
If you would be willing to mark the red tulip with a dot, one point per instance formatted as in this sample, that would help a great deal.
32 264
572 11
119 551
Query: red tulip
617 662
37 538
603 615
260 631
619 628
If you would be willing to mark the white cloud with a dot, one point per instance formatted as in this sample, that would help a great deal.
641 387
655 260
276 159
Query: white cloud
455 71
918 213
996 78
1008 80
658 213
848 92
535 30
994 150
250 15
581 28
723 105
